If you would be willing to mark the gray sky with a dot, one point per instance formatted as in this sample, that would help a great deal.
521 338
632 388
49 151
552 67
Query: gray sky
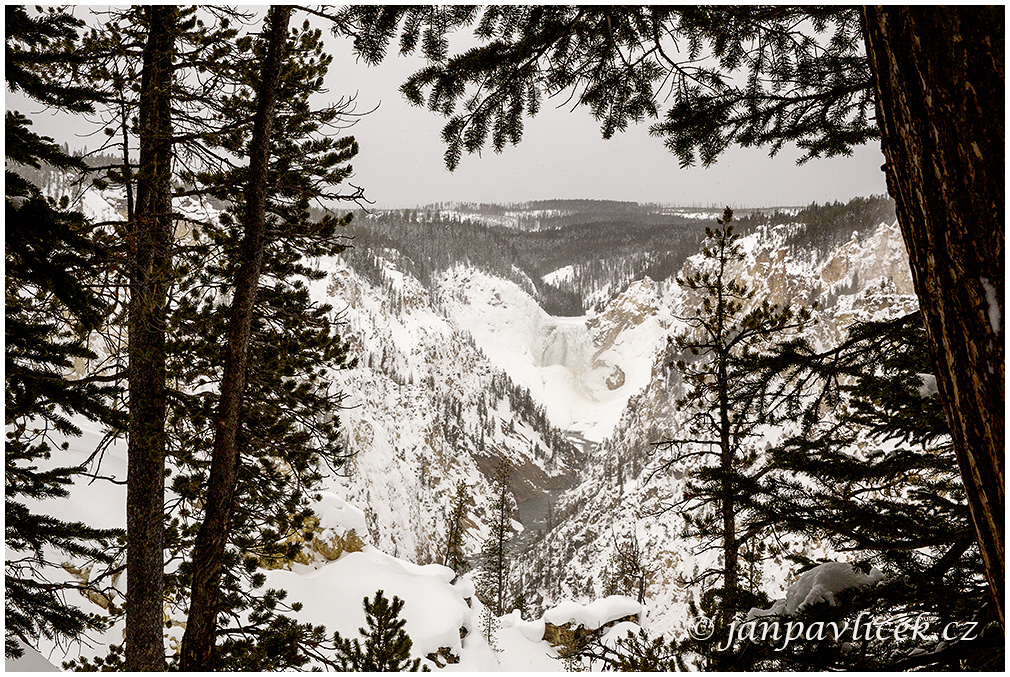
561 156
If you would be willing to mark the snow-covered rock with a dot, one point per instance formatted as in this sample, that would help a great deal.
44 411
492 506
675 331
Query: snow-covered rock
333 594
596 614
820 584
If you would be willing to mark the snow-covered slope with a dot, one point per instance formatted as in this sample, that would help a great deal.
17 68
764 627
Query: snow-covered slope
454 376
444 618
602 378
582 370
426 408
619 499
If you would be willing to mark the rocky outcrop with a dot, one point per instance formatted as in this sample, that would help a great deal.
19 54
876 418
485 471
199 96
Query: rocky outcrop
616 378
572 634
318 544
570 626
444 656
630 309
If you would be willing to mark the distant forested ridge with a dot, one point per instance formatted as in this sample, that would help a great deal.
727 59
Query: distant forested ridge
589 251
822 227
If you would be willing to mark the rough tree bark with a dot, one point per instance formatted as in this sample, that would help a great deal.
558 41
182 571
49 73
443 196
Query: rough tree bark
150 264
208 556
727 501
940 104
727 457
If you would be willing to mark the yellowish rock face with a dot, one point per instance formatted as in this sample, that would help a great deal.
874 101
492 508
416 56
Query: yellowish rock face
324 546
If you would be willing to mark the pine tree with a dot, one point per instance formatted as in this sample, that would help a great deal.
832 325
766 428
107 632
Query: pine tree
157 67
625 63
141 256
730 395
288 428
387 646
495 558
938 73
454 557
627 573
288 432
149 274
635 652
52 255
145 60
877 476
208 554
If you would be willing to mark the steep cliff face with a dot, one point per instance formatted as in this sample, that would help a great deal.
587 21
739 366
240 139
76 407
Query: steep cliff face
582 370
447 376
425 409
621 495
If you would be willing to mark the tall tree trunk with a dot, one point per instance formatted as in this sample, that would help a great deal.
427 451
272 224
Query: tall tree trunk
940 105
727 452
149 275
727 503
208 557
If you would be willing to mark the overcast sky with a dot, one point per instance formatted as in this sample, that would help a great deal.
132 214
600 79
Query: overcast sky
562 155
